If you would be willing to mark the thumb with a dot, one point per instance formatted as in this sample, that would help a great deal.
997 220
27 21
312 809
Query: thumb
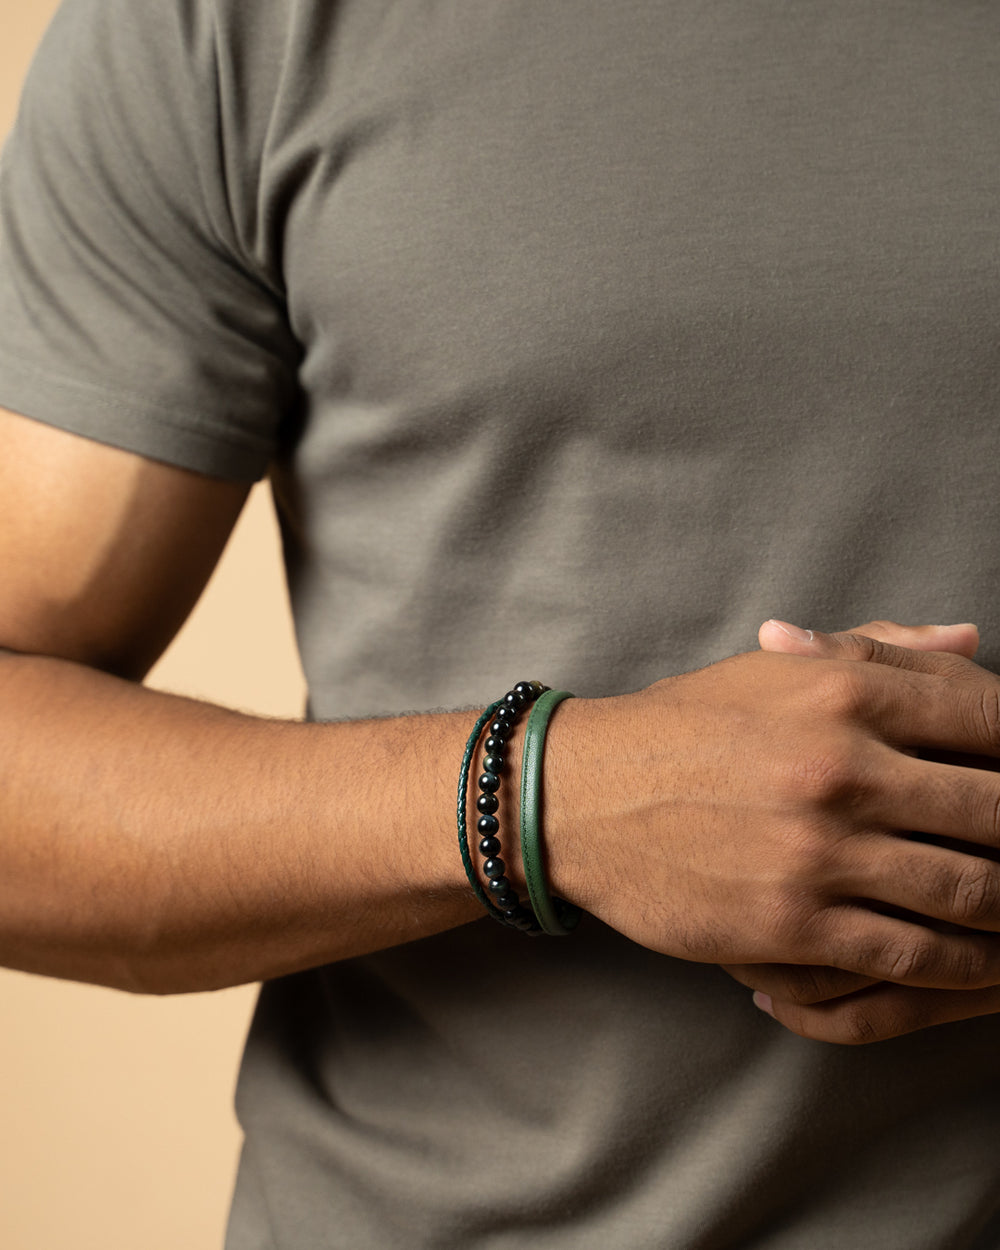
942 650
961 640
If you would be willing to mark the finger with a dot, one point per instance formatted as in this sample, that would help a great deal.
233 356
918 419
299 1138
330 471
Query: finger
958 640
928 881
880 1012
925 796
887 948
777 635
793 983
954 639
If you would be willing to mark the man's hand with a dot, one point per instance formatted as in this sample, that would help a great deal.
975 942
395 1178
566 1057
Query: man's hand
829 1003
757 812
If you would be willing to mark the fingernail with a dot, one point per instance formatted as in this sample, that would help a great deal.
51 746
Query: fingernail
763 1001
793 631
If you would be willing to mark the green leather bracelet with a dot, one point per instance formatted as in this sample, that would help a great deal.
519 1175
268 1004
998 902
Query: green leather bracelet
556 917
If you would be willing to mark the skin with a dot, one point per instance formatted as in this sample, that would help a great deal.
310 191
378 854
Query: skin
786 837
748 814
827 1003
155 843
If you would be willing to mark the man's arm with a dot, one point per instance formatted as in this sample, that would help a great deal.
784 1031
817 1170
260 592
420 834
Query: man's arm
742 814
153 842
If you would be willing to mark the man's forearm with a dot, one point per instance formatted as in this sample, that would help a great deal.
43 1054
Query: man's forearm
154 843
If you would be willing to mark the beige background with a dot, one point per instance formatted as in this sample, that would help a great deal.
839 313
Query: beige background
116 1123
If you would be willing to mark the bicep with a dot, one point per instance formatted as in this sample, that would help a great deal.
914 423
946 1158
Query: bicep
102 552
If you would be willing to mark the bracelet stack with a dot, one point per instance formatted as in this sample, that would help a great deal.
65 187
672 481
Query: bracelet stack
546 915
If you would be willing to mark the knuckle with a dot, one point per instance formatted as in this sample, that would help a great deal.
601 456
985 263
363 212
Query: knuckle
976 893
841 690
856 1024
800 986
804 926
851 1022
963 963
987 713
872 649
857 644
825 775
806 985
910 962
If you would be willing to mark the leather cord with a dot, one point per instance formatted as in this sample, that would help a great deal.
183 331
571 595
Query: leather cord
556 917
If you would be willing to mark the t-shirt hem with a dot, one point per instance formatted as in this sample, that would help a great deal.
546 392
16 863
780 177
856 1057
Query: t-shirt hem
127 422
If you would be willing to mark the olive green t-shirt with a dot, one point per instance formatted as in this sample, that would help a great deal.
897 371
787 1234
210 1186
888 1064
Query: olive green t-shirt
577 339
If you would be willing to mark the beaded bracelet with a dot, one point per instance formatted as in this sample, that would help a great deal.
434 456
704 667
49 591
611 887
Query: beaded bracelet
504 905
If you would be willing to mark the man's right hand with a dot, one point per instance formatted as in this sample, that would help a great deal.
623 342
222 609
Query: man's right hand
756 811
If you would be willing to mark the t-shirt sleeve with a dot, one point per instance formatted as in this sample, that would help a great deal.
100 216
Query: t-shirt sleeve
133 309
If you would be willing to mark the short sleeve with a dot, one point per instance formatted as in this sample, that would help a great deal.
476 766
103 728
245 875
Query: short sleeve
130 311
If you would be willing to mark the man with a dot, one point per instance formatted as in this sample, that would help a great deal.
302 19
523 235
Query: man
571 338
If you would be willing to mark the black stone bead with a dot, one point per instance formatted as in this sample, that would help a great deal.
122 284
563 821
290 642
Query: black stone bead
514 699
500 732
494 868
505 715
487 803
498 886
488 825
523 688
507 899
494 746
489 782
493 763
513 914
489 847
